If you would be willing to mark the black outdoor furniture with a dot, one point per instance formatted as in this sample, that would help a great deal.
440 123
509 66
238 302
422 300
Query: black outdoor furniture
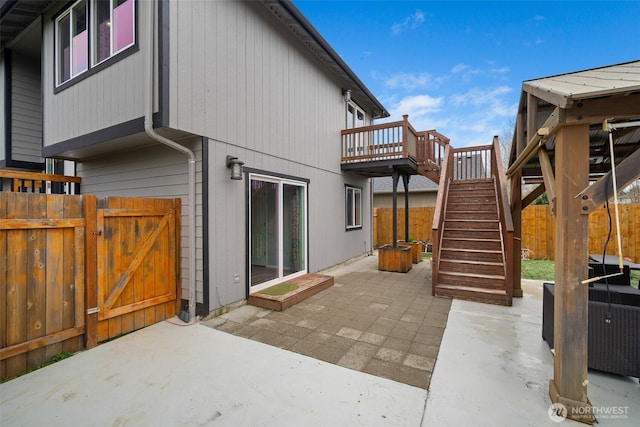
614 346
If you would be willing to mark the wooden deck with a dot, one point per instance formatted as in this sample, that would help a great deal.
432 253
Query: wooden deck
377 150
308 285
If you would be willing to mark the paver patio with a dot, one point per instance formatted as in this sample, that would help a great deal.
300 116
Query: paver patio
382 323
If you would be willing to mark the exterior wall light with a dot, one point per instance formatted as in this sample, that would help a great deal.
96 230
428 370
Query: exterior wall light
236 167
347 95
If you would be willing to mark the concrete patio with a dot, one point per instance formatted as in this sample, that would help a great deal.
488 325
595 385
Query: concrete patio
492 368
382 323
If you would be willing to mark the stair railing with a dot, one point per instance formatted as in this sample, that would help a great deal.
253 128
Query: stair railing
504 212
440 213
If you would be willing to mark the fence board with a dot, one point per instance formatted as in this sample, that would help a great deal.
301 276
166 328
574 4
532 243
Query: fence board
16 295
36 281
55 275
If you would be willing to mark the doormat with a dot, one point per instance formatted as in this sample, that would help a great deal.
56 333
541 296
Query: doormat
280 289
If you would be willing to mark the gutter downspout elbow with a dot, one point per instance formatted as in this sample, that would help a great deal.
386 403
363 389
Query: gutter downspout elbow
191 158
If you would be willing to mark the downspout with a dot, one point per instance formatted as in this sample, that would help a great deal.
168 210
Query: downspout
191 160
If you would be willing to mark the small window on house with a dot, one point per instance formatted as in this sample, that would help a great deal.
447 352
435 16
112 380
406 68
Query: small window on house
72 42
110 31
353 196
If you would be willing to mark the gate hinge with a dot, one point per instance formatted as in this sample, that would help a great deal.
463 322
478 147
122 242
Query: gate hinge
96 233
93 310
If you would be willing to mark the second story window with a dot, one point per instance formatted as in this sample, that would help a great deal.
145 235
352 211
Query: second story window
72 38
113 28
96 29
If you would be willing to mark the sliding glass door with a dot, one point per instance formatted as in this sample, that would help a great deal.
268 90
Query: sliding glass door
278 230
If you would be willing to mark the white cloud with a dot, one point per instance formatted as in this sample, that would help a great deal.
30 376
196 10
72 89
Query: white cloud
410 22
478 97
412 81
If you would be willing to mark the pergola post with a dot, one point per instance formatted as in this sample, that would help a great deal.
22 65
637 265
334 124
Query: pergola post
569 383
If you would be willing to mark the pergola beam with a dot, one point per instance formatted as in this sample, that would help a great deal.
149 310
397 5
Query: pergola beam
548 178
599 192
549 128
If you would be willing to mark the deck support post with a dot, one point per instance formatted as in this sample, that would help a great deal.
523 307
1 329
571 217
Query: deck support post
569 383
395 176
405 181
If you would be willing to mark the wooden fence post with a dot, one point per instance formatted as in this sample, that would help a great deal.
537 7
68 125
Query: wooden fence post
91 270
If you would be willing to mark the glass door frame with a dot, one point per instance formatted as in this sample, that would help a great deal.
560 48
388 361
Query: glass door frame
280 181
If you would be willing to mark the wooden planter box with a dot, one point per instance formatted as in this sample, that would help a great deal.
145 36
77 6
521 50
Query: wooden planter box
416 251
396 259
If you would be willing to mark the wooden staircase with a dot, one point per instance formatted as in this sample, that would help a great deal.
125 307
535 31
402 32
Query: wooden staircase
471 238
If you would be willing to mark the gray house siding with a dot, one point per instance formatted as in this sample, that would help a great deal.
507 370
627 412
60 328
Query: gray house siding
329 243
26 113
238 76
155 171
103 99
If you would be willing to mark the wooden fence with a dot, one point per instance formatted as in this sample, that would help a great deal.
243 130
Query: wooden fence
538 231
420 223
75 270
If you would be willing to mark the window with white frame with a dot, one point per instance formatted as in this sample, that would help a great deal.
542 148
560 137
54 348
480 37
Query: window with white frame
72 42
96 29
353 203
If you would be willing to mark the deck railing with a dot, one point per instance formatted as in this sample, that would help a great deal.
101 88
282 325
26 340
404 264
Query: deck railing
37 182
394 140
472 163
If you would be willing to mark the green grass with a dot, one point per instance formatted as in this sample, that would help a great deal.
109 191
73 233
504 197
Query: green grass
542 269
280 289
538 269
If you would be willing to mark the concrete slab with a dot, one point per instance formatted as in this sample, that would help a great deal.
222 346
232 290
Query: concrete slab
167 375
493 369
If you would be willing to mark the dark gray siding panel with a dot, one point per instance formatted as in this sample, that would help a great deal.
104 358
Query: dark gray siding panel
3 107
26 111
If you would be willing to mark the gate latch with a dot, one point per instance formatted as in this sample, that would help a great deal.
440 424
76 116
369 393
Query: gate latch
96 233
93 310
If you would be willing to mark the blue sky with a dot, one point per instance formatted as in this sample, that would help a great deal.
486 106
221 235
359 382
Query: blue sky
458 66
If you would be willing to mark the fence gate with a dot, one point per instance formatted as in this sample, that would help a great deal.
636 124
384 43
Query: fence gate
74 267
137 274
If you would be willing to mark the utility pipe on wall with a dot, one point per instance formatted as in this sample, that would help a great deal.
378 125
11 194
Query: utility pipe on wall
191 159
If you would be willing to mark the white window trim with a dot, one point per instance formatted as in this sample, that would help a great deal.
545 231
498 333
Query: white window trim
70 13
94 35
350 192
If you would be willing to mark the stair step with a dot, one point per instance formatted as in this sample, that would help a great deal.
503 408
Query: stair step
460 234
472 275
468 293
486 281
474 289
472 262
472 224
489 268
466 215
